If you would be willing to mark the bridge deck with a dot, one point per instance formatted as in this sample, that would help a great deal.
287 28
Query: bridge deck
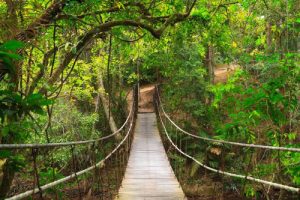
148 174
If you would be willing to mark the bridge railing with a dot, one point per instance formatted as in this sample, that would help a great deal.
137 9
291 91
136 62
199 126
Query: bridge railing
116 159
166 122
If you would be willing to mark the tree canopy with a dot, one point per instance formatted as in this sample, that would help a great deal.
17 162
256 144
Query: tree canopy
227 70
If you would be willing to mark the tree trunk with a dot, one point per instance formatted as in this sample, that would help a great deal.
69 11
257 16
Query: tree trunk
44 21
269 37
209 63
7 178
8 172
102 95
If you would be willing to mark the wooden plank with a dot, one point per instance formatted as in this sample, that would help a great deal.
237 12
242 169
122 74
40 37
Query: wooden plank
149 174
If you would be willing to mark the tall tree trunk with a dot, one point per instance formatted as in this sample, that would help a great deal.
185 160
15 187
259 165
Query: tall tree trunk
102 95
209 63
269 37
27 35
11 25
7 178
8 172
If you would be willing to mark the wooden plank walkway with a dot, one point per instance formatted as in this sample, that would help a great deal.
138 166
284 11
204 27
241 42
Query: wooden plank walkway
149 174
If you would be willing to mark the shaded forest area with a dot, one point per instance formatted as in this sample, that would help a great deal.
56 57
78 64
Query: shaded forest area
227 70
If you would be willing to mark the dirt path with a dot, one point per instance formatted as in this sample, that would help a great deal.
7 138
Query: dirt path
146 98
222 72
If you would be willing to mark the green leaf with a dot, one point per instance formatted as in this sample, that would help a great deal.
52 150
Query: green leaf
12 45
5 154
38 110
74 50
37 99
34 98
17 162
292 136
40 66
10 55
5 131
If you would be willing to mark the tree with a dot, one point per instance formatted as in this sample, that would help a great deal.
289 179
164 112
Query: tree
43 45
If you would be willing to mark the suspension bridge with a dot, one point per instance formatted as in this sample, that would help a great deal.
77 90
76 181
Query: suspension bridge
148 174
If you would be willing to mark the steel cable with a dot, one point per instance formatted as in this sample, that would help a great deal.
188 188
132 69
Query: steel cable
223 141
277 185
61 144
62 180
81 172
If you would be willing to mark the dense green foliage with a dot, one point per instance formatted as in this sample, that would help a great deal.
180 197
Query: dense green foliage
64 63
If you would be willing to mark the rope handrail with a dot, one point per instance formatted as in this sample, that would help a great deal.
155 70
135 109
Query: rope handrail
224 141
61 144
246 177
73 175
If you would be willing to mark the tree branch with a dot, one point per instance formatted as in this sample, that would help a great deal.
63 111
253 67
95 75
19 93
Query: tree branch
43 21
89 36
41 72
